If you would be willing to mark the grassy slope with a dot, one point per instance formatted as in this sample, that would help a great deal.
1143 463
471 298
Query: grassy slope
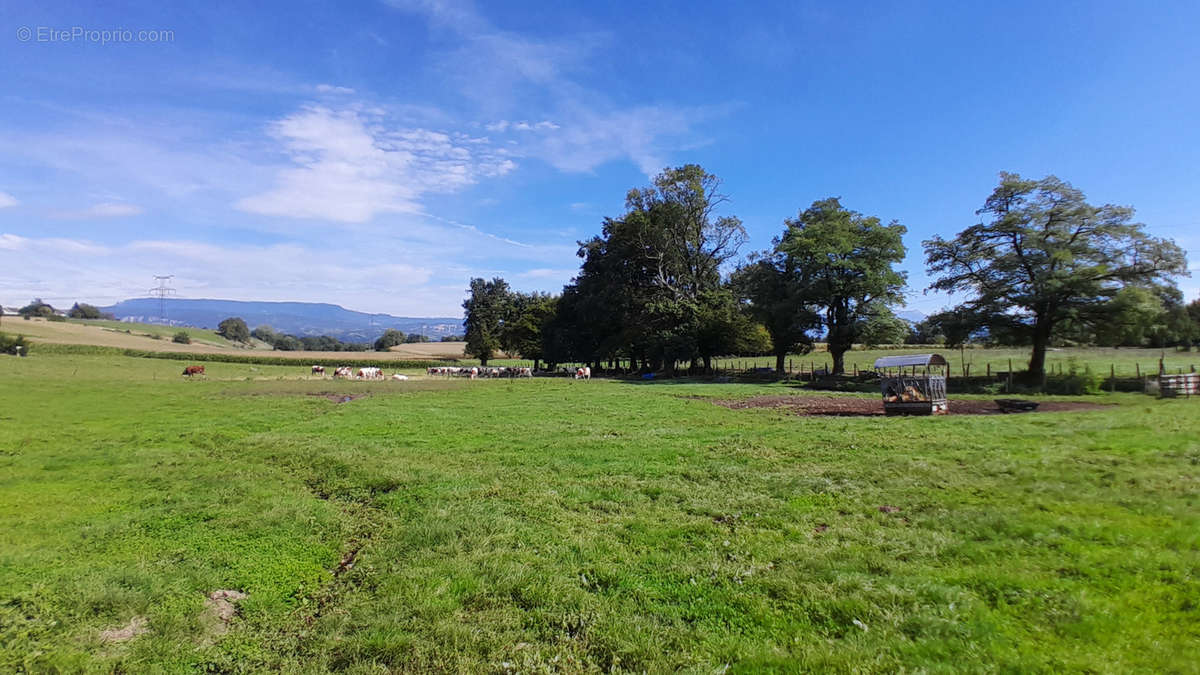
553 524
111 334
198 335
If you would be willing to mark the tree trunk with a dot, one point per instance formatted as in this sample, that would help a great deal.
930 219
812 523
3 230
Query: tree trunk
535 365
840 338
779 357
707 364
838 353
1041 340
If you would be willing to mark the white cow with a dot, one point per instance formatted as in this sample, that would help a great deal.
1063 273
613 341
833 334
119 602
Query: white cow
400 377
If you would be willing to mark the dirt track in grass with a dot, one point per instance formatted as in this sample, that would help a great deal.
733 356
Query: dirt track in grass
868 407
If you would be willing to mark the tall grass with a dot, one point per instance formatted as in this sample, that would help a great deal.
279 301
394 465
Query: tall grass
554 525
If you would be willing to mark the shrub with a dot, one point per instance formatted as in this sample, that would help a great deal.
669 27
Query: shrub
1076 381
182 338
9 344
85 311
56 317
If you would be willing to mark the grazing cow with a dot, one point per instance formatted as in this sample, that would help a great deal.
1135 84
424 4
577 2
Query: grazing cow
369 373
318 370
344 371
584 373
193 370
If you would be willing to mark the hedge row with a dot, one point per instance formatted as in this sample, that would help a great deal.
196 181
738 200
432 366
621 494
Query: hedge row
255 359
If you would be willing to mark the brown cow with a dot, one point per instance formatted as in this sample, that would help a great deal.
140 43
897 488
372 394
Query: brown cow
318 370
193 370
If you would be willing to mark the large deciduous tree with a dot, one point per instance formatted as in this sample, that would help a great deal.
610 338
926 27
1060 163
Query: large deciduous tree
85 311
529 314
37 308
845 262
390 338
234 329
485 311
770 285
1045 257
650 283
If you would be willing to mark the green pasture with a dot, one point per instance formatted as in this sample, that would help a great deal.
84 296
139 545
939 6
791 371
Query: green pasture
553 525
200 335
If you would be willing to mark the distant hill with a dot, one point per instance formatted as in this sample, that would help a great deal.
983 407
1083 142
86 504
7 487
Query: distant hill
297 318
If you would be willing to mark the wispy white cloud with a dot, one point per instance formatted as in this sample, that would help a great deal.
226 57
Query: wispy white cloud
350 165
333 89
509 73
7 200
103 210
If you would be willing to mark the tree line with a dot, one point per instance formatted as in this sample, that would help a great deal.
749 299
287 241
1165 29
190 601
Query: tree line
39 308
662 282
235 329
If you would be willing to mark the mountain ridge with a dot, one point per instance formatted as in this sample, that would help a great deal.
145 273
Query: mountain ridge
296 318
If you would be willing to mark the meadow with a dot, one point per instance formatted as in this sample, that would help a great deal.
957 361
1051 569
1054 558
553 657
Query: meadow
553 525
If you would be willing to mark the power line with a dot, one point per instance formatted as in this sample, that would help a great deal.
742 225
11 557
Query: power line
161 291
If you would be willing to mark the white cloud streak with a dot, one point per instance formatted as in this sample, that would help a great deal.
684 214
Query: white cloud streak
103 210
506 72
350 165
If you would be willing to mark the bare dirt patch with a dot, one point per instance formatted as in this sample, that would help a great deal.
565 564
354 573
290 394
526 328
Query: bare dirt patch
853 406
340 398
136 626
219 609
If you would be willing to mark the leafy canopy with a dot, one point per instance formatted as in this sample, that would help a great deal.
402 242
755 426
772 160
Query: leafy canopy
845 261
1045 256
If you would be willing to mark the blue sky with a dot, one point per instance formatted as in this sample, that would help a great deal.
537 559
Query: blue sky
379 154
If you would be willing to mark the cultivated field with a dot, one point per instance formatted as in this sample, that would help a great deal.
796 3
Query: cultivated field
554 525
112 334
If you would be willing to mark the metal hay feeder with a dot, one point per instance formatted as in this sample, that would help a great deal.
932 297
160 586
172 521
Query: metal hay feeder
908 386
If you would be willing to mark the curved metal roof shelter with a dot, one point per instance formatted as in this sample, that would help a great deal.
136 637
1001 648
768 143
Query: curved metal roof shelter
910 360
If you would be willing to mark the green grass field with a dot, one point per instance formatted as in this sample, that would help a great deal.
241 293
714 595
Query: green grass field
199 335
550 525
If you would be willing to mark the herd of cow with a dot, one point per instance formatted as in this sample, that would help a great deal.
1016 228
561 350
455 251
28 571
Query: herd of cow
366 373
473 372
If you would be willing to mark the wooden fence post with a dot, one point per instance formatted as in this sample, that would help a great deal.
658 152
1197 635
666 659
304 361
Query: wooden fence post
1112 378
